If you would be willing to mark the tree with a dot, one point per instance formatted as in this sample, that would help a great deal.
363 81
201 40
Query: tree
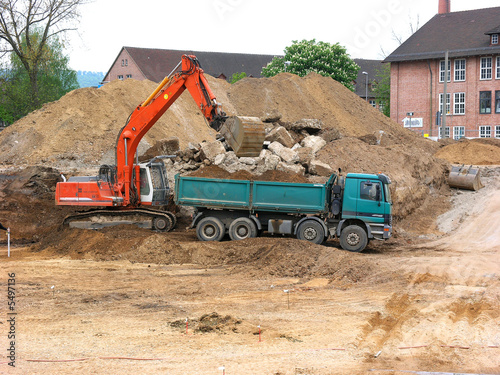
18 22
54 79
237 76
302 58
382 88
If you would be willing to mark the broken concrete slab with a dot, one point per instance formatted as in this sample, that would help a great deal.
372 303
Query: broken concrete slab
291 168
309 125
314 142
281 135
283 152
319 168
210 150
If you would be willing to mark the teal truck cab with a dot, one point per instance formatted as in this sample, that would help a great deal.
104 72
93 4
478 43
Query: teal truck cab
356 208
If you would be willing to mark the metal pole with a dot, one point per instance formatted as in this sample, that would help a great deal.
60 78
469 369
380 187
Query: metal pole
8 242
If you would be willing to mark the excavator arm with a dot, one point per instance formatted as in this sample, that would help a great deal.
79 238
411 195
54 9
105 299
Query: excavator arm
145 116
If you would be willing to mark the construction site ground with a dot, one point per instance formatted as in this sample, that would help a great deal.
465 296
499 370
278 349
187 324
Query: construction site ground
125 300
411 304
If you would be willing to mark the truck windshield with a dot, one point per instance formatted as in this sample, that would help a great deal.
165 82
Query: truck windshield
387 193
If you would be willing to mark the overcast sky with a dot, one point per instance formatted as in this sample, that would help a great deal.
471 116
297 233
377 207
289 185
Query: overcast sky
365 27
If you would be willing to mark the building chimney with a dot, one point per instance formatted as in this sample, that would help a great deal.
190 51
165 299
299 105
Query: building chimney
444 6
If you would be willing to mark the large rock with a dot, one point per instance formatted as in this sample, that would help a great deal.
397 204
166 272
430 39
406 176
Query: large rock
310 125
271 116
210 150
291 168
281 135
305 154
319 168
167 146
314 142
285 153
219 159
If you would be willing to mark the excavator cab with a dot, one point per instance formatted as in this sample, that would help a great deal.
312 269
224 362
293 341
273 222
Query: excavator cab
154 187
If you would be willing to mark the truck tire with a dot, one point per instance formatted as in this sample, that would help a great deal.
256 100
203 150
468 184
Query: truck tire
312 231
353 238
210 229
242 228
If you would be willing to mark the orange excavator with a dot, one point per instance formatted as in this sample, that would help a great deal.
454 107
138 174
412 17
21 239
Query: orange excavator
138 193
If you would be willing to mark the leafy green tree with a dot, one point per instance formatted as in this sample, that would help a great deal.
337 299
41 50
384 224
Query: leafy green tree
237 76
382 88
27 27
302 58
54 79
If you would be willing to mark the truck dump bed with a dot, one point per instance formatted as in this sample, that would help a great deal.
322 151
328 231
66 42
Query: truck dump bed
252 195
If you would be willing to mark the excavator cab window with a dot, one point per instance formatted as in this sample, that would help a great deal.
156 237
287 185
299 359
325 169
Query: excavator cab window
160 184
145 189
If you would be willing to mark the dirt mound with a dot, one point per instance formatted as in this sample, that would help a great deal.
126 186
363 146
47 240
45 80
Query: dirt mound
317 97
27 203
475 151
214 171
280 257
81 128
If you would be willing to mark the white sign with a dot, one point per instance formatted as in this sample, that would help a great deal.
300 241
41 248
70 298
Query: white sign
413 122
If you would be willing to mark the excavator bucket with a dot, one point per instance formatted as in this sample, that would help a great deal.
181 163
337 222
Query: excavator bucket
245 135
465 178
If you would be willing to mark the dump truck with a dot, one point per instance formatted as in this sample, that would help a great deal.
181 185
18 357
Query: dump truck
356 208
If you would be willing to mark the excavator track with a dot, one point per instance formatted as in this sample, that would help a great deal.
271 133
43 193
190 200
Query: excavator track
163 221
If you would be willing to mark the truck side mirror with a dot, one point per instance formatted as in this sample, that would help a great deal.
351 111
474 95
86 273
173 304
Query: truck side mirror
377 193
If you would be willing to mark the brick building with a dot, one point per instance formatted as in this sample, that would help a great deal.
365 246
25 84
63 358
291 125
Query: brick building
472 103
155 64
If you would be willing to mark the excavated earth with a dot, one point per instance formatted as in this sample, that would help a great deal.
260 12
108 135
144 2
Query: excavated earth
125 300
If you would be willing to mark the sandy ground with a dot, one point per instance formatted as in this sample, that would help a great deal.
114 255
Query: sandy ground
423 307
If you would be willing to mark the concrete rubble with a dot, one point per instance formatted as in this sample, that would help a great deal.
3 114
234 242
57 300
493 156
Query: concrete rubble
290 151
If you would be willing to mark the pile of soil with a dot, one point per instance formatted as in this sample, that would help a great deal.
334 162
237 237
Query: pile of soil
474 151
81 128
214 171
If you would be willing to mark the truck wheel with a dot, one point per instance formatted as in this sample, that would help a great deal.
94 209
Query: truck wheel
312 231
353 238
242 228
210 229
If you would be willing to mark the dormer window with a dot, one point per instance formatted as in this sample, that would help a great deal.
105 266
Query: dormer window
494 38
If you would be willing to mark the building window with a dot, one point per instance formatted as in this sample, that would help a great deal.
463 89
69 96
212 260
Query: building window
381 107
120 77
485 131
497 131
497 101
485 102
459 103
373 103
441 71
126 62
460 70
485 67
494 38
129 76
498 68
447 103
446 132
458 132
